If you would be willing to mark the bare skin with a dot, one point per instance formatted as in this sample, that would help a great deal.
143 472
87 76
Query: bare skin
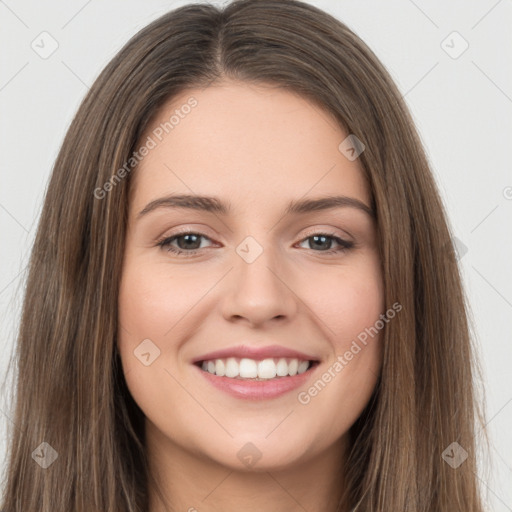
257 148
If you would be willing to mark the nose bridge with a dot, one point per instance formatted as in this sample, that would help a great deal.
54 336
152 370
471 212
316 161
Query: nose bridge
258 292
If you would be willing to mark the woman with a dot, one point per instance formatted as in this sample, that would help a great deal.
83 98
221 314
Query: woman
242 293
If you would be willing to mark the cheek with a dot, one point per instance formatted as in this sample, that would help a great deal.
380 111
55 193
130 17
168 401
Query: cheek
350 306
349 302
150 305
152 302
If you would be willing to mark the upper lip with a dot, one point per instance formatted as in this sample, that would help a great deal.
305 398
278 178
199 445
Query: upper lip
257 353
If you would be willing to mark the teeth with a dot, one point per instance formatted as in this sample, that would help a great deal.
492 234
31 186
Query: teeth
282 368
231 367
246 368
267 369
220 368
303 366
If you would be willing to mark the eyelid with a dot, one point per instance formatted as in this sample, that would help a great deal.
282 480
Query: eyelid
185 230
336 232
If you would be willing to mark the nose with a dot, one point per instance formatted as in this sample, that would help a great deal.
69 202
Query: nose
259 292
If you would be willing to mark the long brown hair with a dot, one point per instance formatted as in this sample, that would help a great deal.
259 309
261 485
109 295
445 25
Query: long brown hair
70 390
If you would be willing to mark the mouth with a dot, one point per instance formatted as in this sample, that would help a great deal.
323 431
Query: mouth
257 370
256 373
252 379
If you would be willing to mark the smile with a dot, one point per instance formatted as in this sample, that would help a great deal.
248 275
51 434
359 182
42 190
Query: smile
256 372
241 378
266 369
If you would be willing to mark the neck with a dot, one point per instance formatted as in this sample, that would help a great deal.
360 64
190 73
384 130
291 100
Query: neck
194 483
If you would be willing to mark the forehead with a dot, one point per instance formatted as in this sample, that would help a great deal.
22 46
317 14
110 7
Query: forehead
249 143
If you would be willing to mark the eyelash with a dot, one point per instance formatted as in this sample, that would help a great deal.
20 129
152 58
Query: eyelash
165 243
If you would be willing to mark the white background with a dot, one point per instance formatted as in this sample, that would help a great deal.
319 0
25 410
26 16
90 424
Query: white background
462 107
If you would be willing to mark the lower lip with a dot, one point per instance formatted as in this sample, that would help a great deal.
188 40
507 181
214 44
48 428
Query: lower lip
258 389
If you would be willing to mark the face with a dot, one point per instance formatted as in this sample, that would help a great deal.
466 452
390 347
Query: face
273 299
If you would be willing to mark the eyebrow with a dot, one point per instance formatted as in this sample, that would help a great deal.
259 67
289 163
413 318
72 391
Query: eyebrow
215 205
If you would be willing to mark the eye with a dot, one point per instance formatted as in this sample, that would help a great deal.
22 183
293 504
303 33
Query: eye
188 242
324 242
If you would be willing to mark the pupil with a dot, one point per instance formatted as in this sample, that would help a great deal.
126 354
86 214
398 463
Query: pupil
316 237
188 238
